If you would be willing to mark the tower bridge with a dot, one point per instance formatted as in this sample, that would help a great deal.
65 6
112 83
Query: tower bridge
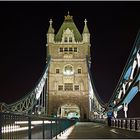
66 84
66 88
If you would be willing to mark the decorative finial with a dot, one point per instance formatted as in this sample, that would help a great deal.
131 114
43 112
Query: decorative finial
51 21
85 30
85 21
68 17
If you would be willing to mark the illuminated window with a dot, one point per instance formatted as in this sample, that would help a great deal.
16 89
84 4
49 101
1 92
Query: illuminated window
68 86
76 87
68 70
79 71
57 71
61 49
60 87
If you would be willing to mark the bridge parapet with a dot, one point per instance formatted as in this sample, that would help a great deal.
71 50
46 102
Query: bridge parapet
19 126
126 123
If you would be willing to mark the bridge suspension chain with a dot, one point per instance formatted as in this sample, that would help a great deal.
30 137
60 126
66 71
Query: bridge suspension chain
97 106
33 102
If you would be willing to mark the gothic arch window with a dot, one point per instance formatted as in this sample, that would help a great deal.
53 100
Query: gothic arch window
65 39
70 39
68 70
68 36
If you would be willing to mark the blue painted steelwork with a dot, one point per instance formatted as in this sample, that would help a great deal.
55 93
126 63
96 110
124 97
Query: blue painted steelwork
127 75
131 95
128 85
138 79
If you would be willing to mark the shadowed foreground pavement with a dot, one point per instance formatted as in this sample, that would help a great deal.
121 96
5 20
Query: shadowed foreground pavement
90 130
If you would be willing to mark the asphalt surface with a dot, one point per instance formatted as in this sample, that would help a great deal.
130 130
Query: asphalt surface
91 130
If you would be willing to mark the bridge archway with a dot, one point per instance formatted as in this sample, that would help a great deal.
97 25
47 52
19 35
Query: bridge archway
68 111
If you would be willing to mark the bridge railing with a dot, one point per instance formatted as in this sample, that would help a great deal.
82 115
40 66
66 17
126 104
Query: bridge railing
126 123
16 126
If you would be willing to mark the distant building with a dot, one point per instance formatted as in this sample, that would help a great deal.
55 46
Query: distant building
68 91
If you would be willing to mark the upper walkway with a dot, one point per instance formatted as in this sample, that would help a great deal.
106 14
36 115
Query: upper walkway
90 130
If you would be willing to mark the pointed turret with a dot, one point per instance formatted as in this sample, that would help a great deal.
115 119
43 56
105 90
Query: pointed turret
51 30
86 34
85 30
50 34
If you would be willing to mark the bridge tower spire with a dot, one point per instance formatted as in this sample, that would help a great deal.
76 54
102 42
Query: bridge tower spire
86 34
50 33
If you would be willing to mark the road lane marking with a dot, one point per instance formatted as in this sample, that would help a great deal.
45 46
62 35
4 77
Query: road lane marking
114 131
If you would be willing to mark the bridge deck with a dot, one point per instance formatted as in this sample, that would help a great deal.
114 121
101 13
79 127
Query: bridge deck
90 130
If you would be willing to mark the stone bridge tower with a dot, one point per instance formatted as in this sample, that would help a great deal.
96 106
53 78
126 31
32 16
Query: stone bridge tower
68 73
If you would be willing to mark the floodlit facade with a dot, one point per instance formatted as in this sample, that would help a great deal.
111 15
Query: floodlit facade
68 91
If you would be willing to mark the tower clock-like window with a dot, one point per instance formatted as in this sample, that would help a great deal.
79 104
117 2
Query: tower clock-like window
68 70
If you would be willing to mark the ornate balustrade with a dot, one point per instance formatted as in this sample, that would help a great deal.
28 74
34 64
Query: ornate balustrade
126 123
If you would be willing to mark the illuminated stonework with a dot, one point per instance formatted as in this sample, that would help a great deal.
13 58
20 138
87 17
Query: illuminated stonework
68 73
68 70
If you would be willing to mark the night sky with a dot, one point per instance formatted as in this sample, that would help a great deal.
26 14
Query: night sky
23 27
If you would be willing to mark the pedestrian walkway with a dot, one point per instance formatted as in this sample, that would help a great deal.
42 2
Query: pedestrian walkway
90 130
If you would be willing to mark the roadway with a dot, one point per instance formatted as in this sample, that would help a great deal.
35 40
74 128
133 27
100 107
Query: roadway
90 130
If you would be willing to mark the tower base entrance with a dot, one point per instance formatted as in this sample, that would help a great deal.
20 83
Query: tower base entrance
69 111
